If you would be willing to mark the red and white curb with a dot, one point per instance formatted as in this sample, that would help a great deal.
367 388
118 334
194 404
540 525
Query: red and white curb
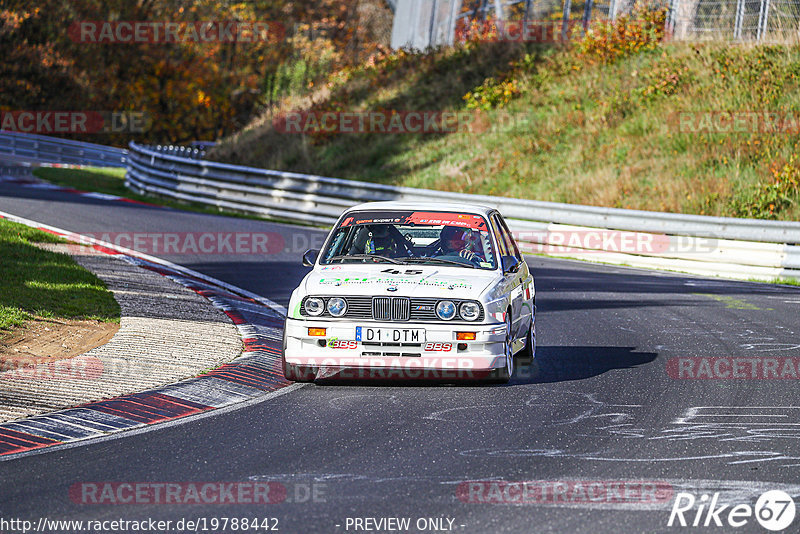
257 371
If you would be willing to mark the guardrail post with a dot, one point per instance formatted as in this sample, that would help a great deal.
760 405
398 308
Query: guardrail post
761 10
766 19
565 19
737 28
587 14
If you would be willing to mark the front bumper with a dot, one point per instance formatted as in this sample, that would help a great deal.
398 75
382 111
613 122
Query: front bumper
440 351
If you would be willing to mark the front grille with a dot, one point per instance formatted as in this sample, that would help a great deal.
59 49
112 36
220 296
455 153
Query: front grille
381 309
401 309
391 309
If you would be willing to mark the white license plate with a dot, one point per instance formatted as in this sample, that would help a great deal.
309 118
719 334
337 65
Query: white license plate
390 335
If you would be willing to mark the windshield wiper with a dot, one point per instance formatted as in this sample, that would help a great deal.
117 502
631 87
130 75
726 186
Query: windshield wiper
424 259
365 257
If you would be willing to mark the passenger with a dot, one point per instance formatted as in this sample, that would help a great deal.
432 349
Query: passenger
460 242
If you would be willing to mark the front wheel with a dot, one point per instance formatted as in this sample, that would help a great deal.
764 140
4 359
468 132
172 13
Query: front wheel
529 352
504 374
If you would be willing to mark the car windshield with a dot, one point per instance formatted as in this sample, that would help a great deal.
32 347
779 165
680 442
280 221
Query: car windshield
440 238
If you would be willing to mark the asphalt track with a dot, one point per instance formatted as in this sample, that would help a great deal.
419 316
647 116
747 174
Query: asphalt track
598 405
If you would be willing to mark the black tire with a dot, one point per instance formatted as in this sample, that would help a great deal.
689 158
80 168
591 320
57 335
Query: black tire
504 374
528 354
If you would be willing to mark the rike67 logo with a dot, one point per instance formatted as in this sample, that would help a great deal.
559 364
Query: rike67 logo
774 510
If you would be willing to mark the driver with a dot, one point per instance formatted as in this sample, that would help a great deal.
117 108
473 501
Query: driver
458 241
381 241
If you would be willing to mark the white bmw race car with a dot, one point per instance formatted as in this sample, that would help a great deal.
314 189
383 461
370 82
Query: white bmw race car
405 291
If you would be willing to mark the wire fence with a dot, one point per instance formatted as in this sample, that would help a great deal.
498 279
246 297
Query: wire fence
419 24
736 20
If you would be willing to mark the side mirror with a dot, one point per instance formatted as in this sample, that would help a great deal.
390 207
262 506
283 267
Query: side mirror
510 264
310 257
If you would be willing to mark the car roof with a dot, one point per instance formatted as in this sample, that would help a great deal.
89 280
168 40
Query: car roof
475 209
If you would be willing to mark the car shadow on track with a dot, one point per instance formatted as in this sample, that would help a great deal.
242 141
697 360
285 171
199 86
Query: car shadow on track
552 364
562 363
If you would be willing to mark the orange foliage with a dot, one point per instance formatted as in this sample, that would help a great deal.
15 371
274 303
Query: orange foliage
190 89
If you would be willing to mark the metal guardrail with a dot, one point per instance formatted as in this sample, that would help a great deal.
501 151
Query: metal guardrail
44 149
743 248
739 248
190 152
294 196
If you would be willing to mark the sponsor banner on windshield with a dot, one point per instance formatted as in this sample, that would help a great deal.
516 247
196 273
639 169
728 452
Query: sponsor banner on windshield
425 218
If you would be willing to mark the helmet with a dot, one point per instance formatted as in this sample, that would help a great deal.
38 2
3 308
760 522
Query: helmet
380 231
454 238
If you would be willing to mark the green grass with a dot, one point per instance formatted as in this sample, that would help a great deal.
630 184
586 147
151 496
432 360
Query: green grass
779 281
109 180
41 283
579 131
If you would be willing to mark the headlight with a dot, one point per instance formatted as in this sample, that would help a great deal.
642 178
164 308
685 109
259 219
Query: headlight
314 306
445 309
469 311
337 306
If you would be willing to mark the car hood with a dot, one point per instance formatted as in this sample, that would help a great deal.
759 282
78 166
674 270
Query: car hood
399 280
